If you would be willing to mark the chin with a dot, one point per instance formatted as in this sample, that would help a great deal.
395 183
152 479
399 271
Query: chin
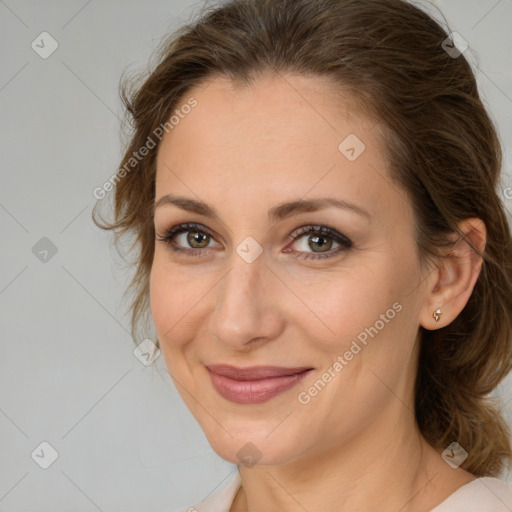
251 450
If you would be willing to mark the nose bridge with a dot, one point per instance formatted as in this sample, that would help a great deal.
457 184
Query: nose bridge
240 287
242 312
243 277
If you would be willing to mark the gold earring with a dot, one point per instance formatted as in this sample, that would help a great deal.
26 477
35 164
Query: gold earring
437 315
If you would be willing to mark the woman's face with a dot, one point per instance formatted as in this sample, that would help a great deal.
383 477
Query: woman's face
250 286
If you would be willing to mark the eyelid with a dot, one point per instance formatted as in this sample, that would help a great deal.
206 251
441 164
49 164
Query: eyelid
321 229
184 227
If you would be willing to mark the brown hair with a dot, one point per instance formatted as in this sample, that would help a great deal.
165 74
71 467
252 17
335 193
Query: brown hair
442 148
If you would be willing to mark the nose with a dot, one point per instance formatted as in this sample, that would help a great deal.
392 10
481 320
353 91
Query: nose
247 310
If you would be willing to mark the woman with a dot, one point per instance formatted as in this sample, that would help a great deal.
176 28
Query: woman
312 188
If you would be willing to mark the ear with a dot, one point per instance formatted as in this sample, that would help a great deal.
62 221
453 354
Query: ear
451 283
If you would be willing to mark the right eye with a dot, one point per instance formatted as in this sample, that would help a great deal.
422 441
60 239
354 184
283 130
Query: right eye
190 239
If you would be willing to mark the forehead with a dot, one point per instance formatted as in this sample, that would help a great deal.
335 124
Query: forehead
274 101
281 133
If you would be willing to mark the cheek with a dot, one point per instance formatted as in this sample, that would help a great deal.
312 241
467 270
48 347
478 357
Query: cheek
372 314
369 305
158 297
177 300
167 300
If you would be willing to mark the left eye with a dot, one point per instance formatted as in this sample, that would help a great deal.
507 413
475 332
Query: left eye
318 242
321 242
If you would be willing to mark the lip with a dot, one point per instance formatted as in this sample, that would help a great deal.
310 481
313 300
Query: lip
255 384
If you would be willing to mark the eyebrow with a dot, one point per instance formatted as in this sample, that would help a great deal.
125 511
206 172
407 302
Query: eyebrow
275 214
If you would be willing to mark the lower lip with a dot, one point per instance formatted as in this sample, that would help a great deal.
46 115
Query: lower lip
254 391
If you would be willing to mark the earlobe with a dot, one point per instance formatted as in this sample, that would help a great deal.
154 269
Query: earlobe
455 276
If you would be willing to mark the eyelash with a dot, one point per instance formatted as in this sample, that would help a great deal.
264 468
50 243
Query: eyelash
343 241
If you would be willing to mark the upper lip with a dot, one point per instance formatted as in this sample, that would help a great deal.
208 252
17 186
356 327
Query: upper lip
255 372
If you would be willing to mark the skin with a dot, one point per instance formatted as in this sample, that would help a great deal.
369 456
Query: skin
243 150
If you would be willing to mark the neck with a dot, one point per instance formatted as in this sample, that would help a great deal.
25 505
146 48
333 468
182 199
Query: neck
388 467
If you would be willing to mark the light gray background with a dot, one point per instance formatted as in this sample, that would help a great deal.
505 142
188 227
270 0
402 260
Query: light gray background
68 375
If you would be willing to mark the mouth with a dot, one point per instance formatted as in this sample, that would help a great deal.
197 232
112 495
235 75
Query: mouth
256 384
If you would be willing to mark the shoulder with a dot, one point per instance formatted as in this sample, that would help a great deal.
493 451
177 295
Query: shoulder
485 494
221 500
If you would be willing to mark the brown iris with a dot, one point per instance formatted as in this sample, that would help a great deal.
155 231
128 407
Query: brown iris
195 237
322 243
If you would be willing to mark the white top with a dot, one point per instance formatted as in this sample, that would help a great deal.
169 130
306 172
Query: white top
485 494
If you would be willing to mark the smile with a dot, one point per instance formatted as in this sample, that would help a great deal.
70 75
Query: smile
254 385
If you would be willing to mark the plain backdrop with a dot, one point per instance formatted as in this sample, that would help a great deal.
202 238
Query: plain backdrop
118 436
